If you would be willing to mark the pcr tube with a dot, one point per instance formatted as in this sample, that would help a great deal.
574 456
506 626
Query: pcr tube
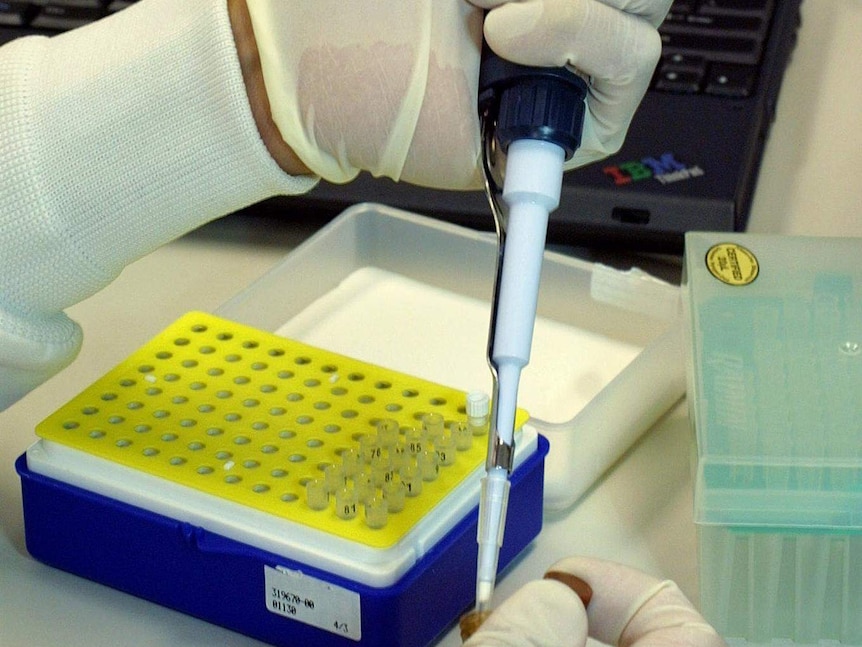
376 512
429 464
433 424
388 432
346 502
415 439
334 477
350 461
478 409
398 455
395 493
445 447
317 494
368 448
363 482
463 435
411 476
381 470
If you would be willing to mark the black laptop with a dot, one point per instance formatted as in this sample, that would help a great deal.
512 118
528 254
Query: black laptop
692 155
690 160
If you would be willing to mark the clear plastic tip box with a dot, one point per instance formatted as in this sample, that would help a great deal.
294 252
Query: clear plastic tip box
774 392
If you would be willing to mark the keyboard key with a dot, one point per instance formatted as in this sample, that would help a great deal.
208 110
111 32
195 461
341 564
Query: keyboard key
86 4
683 6
735 6
15 14
679 73
706 23
60 17
731 80
724 49
681 81
684 61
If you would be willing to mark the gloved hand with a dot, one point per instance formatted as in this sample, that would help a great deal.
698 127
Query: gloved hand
612 42
391 86
628 608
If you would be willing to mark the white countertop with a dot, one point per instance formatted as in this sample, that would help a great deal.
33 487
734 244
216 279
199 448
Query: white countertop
639 513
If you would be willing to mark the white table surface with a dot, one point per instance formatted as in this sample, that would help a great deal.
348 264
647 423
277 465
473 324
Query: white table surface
639 513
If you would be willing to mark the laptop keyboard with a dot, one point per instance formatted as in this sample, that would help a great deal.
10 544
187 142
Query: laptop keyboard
713 46
61 15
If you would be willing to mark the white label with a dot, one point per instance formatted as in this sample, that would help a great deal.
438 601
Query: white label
314 602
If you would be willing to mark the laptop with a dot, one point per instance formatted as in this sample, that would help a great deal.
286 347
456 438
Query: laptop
692 154
690 160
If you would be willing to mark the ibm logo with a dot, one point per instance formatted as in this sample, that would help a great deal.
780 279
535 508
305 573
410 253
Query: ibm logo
665 169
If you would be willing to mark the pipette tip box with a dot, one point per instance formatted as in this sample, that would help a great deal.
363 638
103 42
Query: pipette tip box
775 373
289 493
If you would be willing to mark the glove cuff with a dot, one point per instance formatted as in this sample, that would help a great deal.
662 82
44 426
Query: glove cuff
125 134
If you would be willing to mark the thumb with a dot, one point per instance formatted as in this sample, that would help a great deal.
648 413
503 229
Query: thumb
544 613
630 608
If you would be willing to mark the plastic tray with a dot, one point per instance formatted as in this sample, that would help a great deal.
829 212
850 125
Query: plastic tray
413 294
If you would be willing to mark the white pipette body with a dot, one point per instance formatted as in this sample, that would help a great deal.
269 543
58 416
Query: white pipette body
531 190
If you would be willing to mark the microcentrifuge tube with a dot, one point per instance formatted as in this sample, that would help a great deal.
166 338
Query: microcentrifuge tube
376 512
415 439
411 477
395 493
478 410
334 477
350 461
381 469
388 432
317 494
346 502
433 424
368 448
445 447
429 464
462 434
398 455
363 482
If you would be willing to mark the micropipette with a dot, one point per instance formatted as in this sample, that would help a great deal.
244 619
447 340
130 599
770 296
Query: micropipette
534 117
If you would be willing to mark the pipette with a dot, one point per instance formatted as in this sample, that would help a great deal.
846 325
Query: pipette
533 116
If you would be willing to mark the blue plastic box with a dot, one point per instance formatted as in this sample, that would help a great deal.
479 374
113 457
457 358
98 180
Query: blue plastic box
193 570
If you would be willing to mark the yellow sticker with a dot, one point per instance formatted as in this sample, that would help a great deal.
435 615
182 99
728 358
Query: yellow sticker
732 264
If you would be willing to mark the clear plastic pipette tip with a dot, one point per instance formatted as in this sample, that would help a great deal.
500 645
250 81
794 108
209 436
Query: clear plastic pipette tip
492 521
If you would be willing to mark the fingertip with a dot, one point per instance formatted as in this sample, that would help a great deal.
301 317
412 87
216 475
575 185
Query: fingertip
581 588
542 610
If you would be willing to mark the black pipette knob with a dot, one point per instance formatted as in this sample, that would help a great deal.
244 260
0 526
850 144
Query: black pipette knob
544 103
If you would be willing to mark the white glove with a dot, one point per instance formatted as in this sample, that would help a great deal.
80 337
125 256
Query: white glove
390 86
628 608
387 86
613 42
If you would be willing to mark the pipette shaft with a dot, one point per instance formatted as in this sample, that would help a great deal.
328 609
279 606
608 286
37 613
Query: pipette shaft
534 115
531 191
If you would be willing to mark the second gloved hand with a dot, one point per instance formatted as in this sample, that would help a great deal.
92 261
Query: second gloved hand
627 608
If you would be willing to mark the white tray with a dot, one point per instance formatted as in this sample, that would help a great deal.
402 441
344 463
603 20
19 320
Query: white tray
413 294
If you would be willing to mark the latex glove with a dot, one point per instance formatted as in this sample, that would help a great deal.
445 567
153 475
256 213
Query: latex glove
387 86
391 86
628 608
613 42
